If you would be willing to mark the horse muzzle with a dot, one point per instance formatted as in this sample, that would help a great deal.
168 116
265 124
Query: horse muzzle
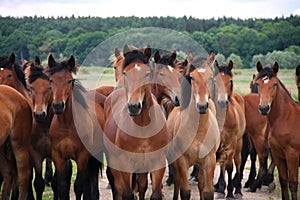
58 107
134 109
264 109
202 108
176 101
40 116
223 103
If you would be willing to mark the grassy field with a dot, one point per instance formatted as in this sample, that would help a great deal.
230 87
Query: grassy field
92 77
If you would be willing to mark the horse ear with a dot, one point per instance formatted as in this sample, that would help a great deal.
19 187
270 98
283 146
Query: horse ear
51 61
12 58
157 57
230 65
71 63
148 52
190 57
259 66
173 56
216 64
253 76
117 52
275 68
126 49
37 60
298 70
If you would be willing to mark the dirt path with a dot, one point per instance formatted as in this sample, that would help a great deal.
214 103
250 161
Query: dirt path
262 194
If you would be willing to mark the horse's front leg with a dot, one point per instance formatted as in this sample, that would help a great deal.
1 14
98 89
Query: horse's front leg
142 182
62 187
48 171
81 184
157 177
39 184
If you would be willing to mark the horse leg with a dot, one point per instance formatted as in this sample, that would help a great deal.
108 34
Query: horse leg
127 186
39 184
205 177
157 177
60 174
92 170
142 182
292 160
117 186
245 152
22 156
68 180
176 174
7 173
181 172
229 169
269 177
170 179
81 183
237 178
48 172
283 176
221 184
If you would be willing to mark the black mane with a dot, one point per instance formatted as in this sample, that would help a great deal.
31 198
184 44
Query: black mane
4 63
37 72
266 72
225 69
58 66
132 56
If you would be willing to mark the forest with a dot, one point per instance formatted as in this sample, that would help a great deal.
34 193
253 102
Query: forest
243 41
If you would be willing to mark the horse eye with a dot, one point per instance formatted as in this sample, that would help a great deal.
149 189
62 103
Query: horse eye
71 81
147 74
162 74
50 88
9 75
51 81
125 74
275 84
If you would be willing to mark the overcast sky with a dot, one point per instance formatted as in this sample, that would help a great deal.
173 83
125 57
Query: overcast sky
177 8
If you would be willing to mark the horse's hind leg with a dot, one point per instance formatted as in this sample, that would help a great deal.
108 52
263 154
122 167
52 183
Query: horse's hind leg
7 174
292 160
237 178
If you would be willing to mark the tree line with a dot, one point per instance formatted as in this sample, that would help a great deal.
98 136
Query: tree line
243 41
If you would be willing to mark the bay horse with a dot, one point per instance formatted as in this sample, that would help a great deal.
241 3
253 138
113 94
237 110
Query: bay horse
277 104
16 120
256 134
195 136
132 138
298 81
231 132
75 130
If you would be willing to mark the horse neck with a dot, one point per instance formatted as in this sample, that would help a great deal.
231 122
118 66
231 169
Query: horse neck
281 104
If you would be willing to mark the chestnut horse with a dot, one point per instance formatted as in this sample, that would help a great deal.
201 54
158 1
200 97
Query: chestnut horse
195 136
231 132
16 121
134 137
298 81
75 131
277 104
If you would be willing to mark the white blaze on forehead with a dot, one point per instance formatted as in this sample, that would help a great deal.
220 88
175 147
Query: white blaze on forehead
170 68
1 68
266 79
201 70
137 67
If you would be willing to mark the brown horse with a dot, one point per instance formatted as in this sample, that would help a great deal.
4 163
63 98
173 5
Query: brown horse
134 137
16 120
298 81
256 133
231 132
75 131
195 135
277 104
40 89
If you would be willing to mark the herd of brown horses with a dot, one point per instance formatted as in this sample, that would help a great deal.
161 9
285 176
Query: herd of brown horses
161 111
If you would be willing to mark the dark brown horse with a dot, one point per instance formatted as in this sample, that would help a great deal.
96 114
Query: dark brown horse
131 146
75 131
231 132
282 113
298 81
16 121
195 135
39 86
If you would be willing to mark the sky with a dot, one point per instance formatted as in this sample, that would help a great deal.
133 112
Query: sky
203 9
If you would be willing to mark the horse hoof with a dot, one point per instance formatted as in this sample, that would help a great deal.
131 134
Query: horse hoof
220 195
230 198
238 196
272 187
